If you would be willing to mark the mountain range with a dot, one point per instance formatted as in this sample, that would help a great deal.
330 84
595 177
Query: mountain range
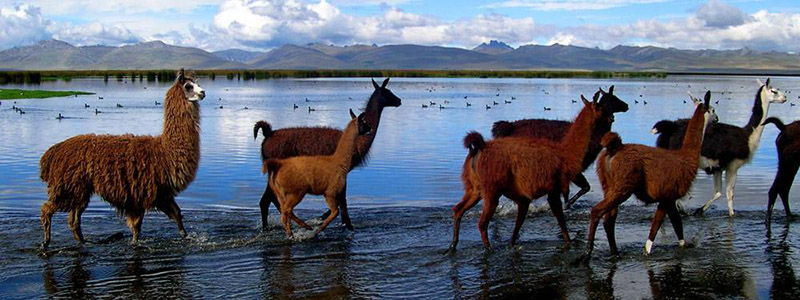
496 55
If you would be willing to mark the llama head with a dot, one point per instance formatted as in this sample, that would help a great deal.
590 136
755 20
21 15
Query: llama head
610 101
363 127
384 96
710 113
770 94
191 89
597 110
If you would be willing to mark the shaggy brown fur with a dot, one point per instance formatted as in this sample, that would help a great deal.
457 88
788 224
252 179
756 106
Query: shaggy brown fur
132 173
294 177
654 175
299 141
788 146
522 169
555 130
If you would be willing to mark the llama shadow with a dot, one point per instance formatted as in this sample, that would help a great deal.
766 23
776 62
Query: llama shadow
785 284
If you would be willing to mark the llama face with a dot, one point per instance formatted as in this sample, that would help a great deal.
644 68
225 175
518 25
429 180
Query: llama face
611 102
192 90
387 98
771 94
363 127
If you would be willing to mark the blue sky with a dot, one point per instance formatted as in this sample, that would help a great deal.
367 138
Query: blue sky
265 24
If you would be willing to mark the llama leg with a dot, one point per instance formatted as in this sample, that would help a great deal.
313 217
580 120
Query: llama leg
582 183
288 203
135 224
342 200
300 222
658 219
266 199
717 193
334 207
790 170
522 213
730 181
48 209
467 202
75 223
677 223
558 212
490 202
609 221
171 209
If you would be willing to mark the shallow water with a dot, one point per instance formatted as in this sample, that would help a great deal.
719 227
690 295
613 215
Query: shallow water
400 201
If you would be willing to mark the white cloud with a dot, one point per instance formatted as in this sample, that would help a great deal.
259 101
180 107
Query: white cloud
718 14
22 25
65 7
570 5
94 34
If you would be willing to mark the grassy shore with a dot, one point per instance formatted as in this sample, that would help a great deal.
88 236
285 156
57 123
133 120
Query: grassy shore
169 75
11 94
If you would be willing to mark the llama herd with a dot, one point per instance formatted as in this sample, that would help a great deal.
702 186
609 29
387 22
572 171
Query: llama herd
525 160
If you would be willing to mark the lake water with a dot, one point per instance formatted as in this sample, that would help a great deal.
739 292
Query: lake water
399 201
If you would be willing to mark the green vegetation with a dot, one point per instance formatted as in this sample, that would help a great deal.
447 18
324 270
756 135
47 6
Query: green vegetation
35 77
9 94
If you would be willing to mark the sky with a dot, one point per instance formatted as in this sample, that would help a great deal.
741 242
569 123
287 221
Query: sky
767 25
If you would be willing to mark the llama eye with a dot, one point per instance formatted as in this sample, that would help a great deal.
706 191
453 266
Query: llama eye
188 86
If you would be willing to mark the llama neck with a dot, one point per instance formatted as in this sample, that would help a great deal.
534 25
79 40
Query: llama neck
755 125
344 149
181 135
372 116
693 140
577 138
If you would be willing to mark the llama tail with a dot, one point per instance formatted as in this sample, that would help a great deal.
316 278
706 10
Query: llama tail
778 123
266 129
474 142
665 127
271 165
502 128
612 142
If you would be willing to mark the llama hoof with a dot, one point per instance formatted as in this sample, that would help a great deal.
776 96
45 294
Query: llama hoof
182 233
730 214
349 227
43 246
450 250
698 212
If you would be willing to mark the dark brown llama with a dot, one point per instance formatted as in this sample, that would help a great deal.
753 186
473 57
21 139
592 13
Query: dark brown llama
132 173
555 130
297 141
292 178
523 170
654 175
788 146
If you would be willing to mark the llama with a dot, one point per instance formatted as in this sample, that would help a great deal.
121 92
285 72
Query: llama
555 130
654 175
788 146
132 173
292 178
523 170
297 141
727 147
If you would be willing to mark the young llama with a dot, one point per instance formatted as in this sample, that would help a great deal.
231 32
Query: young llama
555 130
654 175
298 141
294 177
725 147
522 169
132 173
788 145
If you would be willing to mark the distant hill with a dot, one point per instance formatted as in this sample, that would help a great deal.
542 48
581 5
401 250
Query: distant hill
496 55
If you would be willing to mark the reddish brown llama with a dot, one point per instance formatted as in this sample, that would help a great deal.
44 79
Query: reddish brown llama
522 169
555 130
298 141
788 145
292 178
132 173
654 175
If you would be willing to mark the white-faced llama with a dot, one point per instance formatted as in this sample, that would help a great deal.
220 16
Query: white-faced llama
725 147
132 173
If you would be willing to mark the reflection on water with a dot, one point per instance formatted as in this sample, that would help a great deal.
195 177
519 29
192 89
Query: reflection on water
400 202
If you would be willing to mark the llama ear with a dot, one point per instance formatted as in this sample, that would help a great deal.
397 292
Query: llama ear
181 76
596 96
707 100
585 101
694 99
759 82
767 83
352 115
375 84
385 82
611 90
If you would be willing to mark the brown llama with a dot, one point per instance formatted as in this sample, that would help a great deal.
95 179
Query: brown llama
306 141
654 175
292 178
132 173
523 170
788 146
555 130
